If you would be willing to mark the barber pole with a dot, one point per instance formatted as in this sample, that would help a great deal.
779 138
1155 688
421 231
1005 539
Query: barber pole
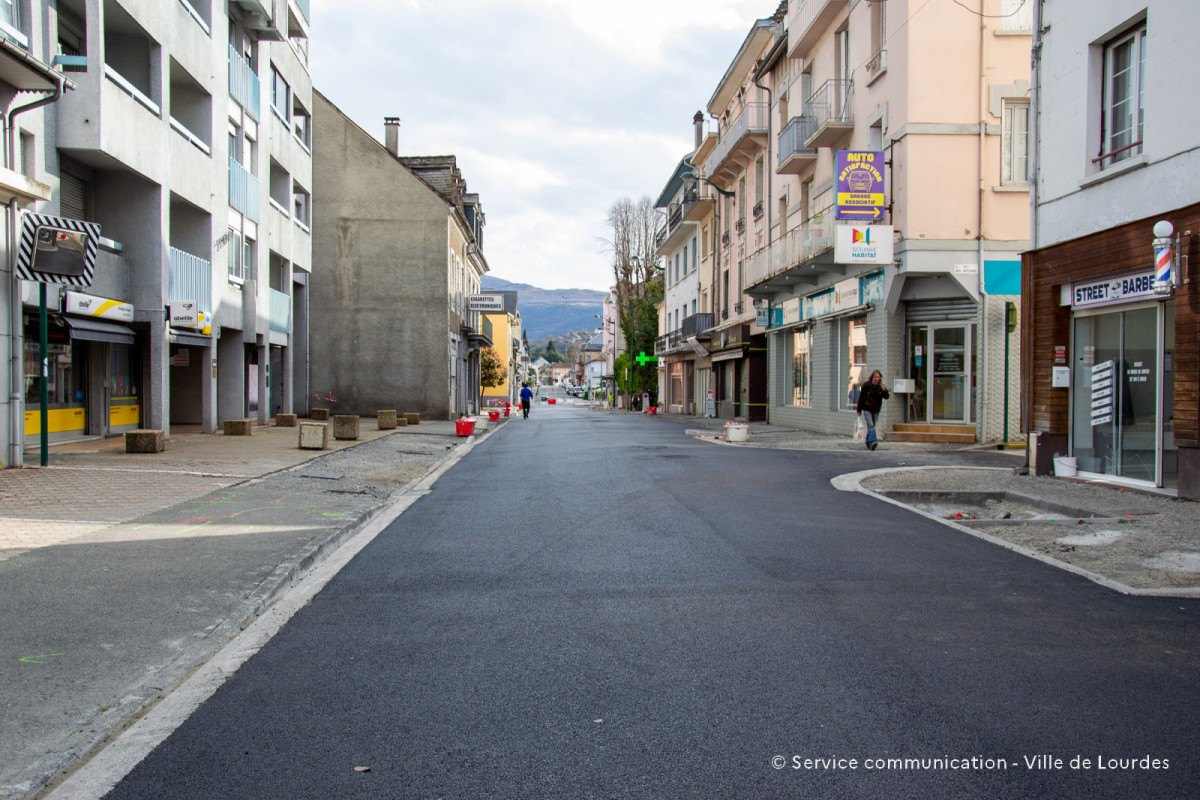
1162 263
1164 257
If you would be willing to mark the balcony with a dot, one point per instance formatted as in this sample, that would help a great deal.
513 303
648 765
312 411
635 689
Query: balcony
795 258
263 18
807 22
698 205
743 137
189 278
303 6
831 113
697 325
243 191
740 225
244 85
794 157
673 232
281 311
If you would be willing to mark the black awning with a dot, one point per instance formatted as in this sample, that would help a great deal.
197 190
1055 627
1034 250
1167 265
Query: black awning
95 330
189 338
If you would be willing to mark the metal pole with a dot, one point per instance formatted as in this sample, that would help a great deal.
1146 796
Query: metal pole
44 353
1007 344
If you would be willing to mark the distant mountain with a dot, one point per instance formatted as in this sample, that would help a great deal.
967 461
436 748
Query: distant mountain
547 313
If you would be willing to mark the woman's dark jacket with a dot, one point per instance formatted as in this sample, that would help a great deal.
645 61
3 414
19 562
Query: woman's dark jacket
870 398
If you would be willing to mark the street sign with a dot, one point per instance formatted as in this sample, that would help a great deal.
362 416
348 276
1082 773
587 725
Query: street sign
488 303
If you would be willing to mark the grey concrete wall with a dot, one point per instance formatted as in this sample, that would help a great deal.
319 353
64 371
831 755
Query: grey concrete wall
378 287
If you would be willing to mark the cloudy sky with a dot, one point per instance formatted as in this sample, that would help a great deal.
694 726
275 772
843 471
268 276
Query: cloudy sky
555 108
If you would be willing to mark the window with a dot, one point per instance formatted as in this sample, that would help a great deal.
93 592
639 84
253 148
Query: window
302 125
281 96
234 249
1124 88
854 357
1014 143
300 206
1016 15
802 368
10 23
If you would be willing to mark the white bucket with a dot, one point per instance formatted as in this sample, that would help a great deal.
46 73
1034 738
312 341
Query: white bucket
736 432
1064 466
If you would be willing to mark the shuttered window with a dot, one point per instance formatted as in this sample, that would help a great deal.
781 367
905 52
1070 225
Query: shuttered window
940 310
71 202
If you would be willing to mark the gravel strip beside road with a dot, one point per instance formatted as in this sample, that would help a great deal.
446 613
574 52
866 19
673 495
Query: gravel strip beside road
1156 547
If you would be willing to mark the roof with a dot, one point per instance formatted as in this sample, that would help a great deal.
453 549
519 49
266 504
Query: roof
674 184
756 40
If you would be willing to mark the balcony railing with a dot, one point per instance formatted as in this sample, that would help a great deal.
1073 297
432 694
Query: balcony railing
830 110
795 247
243 84
303 6
243 190
808 20
281 311
189 278
182 130
792 138
696 325
485 326
753 119
740 225
132 90
758 209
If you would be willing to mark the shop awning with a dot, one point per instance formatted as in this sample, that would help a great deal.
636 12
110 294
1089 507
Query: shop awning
94 330
726 355
188 338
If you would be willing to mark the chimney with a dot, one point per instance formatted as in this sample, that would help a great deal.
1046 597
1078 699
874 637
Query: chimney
391 134
698 123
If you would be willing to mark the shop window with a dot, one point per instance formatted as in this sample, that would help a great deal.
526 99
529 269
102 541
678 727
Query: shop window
853 358
802 368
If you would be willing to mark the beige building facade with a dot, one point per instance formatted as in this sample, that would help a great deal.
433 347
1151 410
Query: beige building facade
940 96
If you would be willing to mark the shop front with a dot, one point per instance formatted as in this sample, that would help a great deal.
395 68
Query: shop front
92 370
1122 380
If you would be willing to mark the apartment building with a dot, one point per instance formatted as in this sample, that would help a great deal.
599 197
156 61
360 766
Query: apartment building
726 201
165 143
935 104
1110 289
401 242
677 245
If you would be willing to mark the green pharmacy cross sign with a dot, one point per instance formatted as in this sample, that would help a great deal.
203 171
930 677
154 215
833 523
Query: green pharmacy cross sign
642 358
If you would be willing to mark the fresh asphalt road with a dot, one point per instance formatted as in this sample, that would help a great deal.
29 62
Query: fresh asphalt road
596 605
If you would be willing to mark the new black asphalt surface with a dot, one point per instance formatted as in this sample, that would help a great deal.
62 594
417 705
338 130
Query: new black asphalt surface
596 606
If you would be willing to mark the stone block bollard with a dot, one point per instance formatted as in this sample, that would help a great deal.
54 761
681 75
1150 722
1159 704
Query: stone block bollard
386 419
285 420
401 421
238 427
412 419
314 436
345 426
145 440
318 413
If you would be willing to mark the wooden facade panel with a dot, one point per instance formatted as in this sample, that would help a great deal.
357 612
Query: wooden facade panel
1102 255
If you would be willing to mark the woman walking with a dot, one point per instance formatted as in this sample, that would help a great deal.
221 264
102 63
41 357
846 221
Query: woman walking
870 402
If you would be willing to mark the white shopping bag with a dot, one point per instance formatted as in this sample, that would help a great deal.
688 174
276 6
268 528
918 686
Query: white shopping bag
860 430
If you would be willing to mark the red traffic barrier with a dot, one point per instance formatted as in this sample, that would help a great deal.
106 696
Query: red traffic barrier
464 426
507 406
553 400
494 415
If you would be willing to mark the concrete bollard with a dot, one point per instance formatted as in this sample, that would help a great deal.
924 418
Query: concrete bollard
145 440
314 436
318 413
285 420
411 418
386 419
345 426
238 427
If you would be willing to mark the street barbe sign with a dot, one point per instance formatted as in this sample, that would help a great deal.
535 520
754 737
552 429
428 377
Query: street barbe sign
489 303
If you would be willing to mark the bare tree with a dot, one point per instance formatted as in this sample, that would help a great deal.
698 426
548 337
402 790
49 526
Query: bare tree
633 225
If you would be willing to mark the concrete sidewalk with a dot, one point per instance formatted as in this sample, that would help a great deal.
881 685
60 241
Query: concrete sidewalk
121 573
